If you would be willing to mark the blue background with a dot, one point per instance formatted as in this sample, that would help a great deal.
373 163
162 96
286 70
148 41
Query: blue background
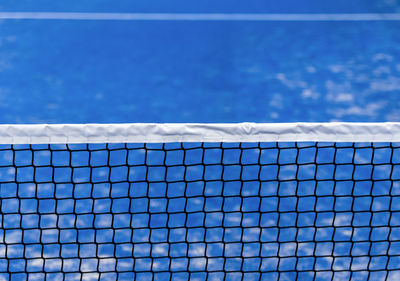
108 71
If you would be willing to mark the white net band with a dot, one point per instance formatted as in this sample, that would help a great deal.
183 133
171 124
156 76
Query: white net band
165 133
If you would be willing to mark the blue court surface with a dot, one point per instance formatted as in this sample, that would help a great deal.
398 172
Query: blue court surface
93 71
200 211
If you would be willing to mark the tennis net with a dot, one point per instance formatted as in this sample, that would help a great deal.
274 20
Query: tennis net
200 202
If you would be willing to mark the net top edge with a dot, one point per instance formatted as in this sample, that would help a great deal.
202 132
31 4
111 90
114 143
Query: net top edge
199 132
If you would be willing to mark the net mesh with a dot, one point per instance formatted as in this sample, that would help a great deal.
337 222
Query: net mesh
200 211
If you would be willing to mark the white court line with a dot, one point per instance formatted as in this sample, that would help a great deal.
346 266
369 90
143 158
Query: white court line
197 16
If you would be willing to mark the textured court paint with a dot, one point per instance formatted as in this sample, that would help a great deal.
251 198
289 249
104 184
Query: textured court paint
118 72
199 71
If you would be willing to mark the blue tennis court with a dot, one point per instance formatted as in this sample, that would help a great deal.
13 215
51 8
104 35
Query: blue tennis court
85 71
